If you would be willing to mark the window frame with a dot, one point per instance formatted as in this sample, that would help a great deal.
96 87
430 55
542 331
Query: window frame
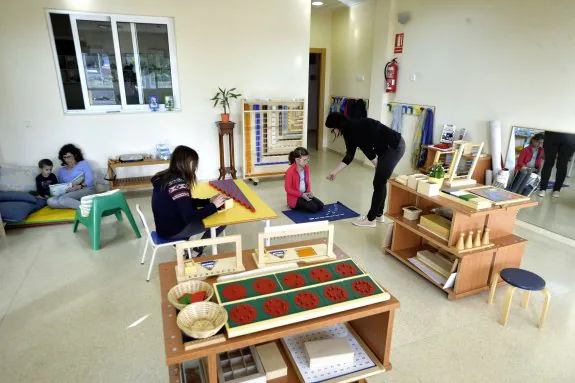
123 107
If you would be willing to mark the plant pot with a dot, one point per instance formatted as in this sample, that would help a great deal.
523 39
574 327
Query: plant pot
225 117
435 180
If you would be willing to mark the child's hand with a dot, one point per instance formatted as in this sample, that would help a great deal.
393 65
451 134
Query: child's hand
41 197
305 196
214 197
309 194
219 200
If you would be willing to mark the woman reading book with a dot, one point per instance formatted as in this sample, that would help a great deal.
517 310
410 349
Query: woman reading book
76 172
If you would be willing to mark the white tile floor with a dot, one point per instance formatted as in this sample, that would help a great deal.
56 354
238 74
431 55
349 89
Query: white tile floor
65 309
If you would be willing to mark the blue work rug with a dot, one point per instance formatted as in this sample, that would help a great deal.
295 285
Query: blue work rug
330 212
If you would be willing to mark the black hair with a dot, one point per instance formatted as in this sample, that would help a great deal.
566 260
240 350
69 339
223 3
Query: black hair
72 149
45 162
180 167
297 153
335 120
538 137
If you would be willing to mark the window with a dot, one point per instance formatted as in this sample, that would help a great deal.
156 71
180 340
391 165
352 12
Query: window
113 63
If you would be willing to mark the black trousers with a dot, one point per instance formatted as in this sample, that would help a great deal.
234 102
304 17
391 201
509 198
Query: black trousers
194 228
558 146
312 206
386 162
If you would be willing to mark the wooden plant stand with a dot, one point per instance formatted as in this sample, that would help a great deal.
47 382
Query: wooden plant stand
373 324
131 182
226 128
475 267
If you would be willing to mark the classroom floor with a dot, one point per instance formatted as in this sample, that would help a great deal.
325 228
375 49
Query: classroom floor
65 310
554 214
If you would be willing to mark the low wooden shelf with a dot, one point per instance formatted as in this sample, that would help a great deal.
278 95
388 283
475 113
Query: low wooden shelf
475 268
373 323
131 182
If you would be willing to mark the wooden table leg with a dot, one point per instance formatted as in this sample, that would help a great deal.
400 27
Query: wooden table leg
232 160
212 368
376 332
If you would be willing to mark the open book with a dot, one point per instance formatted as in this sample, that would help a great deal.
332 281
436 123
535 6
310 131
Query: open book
59 189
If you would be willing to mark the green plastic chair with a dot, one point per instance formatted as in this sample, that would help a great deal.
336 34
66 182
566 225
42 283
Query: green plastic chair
102 206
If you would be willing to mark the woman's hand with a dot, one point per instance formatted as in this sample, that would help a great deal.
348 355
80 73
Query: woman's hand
218 200
331 177
73 188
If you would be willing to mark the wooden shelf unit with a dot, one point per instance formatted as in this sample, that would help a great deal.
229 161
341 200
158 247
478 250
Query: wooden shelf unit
131 182
475 268
373 324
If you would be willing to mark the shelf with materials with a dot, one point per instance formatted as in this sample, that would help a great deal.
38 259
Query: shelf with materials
140 182
373 325
475 267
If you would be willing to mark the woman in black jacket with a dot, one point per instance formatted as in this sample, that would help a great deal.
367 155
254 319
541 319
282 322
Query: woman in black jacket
383 146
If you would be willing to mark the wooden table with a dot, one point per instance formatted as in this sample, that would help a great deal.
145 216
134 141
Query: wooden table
476 267
238 214
374 324
131 182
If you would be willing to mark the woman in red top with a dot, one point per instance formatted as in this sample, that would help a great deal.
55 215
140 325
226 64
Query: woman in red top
532 155
297 185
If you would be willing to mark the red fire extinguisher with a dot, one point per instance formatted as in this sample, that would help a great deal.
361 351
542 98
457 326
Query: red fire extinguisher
391 69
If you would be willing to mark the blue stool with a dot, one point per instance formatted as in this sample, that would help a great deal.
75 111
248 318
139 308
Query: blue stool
524 280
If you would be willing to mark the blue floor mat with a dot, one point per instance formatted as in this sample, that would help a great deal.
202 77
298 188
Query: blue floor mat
552 183
330 212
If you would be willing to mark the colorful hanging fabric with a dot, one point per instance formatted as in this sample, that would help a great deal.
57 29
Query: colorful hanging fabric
397 121
427 135
417 136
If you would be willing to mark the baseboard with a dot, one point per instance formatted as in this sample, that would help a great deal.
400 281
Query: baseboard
549 234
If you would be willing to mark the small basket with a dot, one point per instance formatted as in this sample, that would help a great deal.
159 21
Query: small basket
411 213
202 320
188 287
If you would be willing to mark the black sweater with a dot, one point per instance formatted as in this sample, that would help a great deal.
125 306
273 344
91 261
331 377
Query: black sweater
369 135
174 207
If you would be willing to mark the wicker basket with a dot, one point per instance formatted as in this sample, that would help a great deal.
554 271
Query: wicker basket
202 320
188 287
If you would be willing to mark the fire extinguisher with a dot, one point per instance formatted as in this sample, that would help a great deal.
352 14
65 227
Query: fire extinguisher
391 69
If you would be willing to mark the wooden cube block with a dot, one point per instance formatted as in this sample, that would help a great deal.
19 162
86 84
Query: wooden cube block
428 188
413 179
329 352
272 359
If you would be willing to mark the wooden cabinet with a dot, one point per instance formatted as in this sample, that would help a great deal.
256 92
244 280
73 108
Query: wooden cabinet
474 268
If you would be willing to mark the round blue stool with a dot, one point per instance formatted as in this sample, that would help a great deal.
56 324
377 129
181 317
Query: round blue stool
524 280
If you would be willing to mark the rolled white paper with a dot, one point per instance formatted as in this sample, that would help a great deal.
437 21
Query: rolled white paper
488 177
495 130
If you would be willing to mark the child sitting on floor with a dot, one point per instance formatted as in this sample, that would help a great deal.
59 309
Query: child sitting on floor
297 185
45 179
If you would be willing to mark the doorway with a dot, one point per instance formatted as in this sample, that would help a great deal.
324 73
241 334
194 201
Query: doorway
315 100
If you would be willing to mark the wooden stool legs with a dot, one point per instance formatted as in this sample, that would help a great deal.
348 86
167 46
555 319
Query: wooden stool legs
545 307
494 280
507 305
524 303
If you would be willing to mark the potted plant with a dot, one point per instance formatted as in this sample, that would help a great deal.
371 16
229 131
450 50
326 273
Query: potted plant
437 173
223 98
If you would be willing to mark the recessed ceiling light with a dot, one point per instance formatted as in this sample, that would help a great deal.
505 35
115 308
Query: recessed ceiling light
317 3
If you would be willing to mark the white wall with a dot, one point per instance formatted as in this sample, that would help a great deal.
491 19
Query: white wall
320 37
352 47
478 60
259 46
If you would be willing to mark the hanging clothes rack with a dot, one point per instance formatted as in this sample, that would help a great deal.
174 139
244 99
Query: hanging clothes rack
339 99
411 109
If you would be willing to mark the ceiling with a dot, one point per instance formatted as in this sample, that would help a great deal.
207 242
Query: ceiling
332 4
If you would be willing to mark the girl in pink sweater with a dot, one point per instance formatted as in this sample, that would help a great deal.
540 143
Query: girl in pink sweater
297 185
